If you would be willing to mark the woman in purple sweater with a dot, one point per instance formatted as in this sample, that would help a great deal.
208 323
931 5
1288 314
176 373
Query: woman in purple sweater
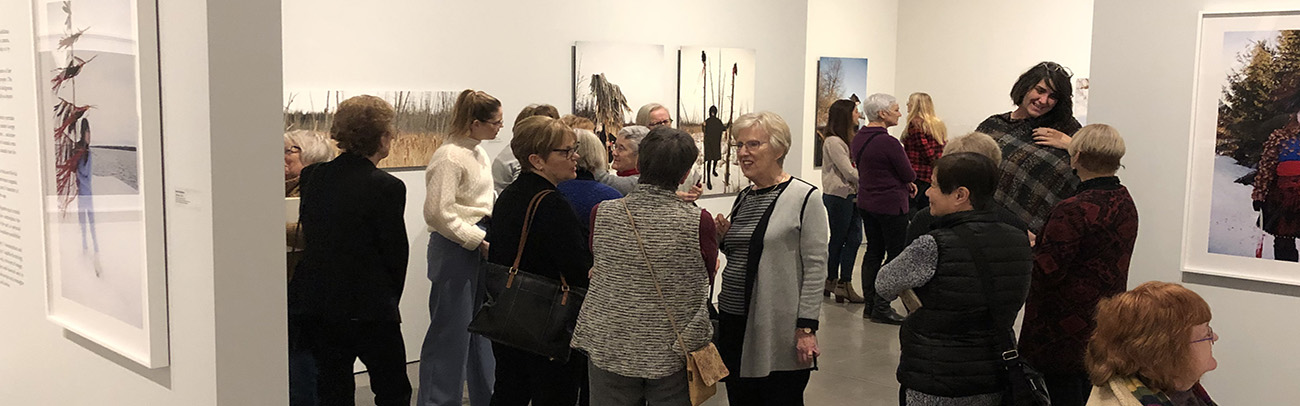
884 186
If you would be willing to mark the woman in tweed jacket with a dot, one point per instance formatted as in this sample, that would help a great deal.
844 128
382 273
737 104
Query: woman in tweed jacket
637 306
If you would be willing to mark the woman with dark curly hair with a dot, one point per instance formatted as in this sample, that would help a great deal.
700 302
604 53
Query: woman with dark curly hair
343 297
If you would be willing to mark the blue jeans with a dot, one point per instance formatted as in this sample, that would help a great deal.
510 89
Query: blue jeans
451 355
846 236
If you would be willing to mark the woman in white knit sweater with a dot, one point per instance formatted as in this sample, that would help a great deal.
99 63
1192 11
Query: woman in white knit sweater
459 199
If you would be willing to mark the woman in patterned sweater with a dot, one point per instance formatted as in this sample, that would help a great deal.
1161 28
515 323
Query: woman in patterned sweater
1081 257
635 354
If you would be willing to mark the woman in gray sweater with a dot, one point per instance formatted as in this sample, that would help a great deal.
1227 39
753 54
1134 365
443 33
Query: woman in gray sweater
769 304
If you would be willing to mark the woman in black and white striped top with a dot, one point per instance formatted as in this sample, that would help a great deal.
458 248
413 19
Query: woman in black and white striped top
776 270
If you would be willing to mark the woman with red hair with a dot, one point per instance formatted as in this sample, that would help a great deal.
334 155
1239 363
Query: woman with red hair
1151 346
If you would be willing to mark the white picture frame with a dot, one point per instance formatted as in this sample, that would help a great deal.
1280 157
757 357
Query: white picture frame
1220 235
122 305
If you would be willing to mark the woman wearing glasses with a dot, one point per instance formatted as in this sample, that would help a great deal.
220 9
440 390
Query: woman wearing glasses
770 299
885 183
1151 347
459 200
557 247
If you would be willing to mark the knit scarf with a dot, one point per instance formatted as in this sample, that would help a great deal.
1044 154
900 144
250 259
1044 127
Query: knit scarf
1151 397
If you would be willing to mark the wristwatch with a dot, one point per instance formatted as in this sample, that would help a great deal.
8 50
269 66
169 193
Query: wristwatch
806 330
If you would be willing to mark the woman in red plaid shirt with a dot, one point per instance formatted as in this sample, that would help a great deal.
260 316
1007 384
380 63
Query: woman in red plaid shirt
926 134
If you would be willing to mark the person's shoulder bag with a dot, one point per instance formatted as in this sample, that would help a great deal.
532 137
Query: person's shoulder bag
525 310
704 367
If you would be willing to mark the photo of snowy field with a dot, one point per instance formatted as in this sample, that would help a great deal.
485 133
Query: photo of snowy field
1234 228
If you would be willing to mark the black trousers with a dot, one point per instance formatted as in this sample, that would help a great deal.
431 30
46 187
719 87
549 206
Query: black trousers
1284 249
886 237
337 345
1068 389
784 388
523 377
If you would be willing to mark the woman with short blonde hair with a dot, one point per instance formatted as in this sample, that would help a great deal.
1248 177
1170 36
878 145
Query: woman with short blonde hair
1081 257
1151 346
764 297
977 142
556 248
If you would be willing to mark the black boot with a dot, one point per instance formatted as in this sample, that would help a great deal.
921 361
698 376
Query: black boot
881 312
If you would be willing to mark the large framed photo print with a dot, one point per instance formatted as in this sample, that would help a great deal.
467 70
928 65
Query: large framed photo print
101 160
1243 190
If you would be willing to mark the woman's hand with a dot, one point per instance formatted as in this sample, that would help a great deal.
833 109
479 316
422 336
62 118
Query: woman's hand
911 189
1051 138
722 225
483 249
692 195
1033 238
806 344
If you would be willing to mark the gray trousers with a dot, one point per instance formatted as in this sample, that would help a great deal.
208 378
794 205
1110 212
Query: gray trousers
611 389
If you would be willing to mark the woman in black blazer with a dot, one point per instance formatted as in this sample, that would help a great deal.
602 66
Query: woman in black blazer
556 246
343 298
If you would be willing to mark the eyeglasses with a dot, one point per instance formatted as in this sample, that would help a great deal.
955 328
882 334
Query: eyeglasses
1209 337
292 150
667 121
751 145
497 123
568 152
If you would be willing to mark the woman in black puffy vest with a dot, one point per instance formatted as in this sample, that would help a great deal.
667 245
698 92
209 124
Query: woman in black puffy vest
952 345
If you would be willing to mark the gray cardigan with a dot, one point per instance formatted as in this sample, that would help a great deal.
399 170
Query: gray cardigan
790 278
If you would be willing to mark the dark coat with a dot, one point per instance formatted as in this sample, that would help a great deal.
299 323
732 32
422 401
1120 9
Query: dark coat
354 264
884 172
950 347
1081 257
557 242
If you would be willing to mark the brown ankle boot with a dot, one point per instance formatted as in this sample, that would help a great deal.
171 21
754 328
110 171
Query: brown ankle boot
840 295
830 287
851 294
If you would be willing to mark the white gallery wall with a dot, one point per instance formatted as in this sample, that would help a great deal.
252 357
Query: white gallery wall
1143 63
220 95
967 54
846 29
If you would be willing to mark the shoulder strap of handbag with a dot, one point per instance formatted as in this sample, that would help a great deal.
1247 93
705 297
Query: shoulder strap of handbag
1008 341
662 301
858 157
523 236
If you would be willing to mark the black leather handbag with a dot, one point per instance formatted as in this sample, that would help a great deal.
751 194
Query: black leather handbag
1027 387
525 310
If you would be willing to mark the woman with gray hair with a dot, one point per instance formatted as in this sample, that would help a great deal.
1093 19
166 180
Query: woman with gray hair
885 183
764 297
653 115
625 159
303 148
584 191
635 353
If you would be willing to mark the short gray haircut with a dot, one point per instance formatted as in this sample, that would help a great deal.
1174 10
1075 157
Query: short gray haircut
315 148
667 156
876 103
771 124
633 134
591 152
643 115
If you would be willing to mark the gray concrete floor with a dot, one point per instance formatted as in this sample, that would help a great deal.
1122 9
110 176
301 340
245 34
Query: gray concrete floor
856 367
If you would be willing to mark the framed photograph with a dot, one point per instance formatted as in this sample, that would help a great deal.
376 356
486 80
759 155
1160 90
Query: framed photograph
423 121
1243 190
837 78
715 85
101 144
